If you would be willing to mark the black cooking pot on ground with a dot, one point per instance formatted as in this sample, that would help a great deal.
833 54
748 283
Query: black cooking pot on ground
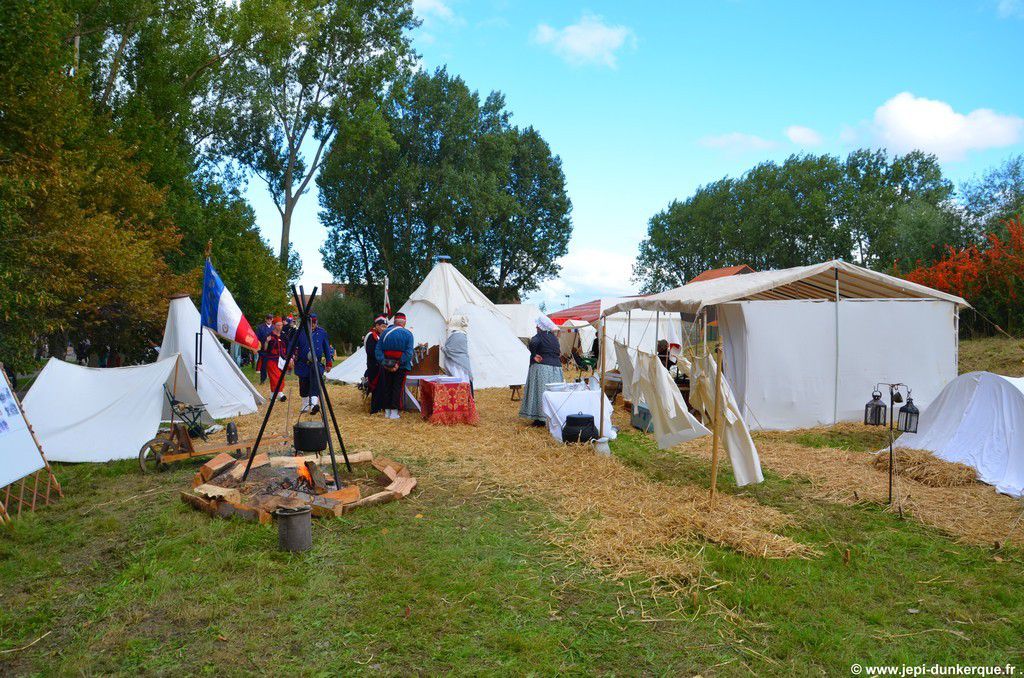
310 436
579 428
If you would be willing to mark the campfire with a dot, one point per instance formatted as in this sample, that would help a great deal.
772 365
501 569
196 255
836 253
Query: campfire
293 482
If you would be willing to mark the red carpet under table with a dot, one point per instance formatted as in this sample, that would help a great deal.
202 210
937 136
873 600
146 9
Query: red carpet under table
447 403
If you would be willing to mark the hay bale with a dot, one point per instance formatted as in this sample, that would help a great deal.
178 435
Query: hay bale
924 467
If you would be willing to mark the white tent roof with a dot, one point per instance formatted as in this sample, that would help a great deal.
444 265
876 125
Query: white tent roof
496 354
522 318
100 414
978 420
222 387
817 281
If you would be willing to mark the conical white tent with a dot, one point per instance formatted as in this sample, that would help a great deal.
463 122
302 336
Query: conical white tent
222 387
522 318
100 414
978 420
497 356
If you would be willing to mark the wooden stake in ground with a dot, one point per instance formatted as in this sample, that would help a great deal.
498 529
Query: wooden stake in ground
715 420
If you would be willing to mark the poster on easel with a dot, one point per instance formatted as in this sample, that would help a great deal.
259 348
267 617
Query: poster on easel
20 458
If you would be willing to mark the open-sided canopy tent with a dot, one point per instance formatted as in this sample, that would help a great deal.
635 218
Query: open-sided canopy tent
521 317
978 420
222 387
496 354
99 414
639 329
796 357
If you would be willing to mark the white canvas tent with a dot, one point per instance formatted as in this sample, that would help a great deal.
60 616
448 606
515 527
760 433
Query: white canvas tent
804 346
978 420
100 414
222 387
496 354
522 318
638 329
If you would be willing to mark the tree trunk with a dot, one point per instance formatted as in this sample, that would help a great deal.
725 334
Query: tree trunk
286 225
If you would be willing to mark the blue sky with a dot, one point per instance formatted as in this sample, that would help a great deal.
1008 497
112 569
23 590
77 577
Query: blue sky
645 101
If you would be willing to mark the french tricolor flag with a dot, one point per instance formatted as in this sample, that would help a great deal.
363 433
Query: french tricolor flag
220 313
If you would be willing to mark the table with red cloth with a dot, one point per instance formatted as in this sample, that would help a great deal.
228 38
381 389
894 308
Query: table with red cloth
447 402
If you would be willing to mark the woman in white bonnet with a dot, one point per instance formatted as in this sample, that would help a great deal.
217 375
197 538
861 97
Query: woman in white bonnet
456 349
545 368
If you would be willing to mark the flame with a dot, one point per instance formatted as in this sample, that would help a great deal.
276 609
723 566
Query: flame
304 475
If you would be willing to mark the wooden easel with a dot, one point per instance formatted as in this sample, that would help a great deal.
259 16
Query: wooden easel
13 499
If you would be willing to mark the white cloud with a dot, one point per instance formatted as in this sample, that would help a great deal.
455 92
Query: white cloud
803 136
589 40
435 9
1010 9
588 273
737 142
906 122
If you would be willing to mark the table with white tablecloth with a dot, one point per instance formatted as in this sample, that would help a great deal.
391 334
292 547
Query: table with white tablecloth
557 405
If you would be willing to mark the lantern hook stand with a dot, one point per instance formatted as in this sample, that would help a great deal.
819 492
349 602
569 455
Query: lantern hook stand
874 415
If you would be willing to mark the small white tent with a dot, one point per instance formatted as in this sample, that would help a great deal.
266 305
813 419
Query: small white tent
522 318
100 414
222 387
978 420
496 354
805 346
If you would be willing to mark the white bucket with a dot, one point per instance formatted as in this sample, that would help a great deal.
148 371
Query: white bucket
601 447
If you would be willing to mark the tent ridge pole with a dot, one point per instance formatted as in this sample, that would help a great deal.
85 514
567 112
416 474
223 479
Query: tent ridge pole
604 348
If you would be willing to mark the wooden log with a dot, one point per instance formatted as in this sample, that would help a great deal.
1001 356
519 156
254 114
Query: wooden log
392 469
319 479
345 495
402 486
269 503
360 457
251 513
216 492
219 464
374 499
322 507
198 503
290 461
238 470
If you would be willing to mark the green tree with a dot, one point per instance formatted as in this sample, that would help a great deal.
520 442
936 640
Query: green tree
441 172
346 319
995 197
308 66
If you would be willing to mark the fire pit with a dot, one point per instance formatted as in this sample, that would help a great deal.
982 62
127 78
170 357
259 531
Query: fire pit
294 482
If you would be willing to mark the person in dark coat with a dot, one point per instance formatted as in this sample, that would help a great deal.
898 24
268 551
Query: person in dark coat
394 353
372 373
262 332
308 358
545 368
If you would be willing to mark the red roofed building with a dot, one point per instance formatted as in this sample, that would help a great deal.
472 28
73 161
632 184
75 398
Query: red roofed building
713 273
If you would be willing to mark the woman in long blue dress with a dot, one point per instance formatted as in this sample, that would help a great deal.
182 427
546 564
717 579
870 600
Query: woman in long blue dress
545 368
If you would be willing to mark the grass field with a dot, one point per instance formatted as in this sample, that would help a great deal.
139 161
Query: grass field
121 578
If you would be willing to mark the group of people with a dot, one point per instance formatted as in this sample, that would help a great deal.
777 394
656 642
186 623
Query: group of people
312 351
389 354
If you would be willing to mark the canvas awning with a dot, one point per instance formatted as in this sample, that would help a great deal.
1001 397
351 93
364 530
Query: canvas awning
817 281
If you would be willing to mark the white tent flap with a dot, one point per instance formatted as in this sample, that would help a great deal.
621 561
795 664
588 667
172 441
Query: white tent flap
19 455
223 388
100 414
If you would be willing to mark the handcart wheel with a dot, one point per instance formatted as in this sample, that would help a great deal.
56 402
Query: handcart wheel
151 454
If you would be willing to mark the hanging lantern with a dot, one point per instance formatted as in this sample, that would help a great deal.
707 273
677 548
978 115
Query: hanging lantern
874 411
908 416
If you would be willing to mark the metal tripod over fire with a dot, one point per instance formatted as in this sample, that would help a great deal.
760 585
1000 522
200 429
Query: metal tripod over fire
304 328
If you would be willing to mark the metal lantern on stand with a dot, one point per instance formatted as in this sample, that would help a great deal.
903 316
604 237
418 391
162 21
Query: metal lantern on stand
875 415
874 411
908 416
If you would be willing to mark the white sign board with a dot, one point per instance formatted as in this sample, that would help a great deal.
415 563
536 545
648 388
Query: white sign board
19 454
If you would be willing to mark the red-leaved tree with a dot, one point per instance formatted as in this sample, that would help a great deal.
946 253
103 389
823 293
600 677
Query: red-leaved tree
990 277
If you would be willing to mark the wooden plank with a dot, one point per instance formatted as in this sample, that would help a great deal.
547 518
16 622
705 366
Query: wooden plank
290 461
322 507
392 469
198 503
217 492
345 495
402 486
222 462
372 500
251 513
238 470
360 457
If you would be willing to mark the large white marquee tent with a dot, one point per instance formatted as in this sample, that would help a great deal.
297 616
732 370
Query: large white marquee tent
223 388
805 346
978 420
522 318
496 354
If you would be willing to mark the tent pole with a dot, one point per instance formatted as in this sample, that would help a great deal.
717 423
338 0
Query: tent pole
629 327
657 326
604 321
715 422
835 395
